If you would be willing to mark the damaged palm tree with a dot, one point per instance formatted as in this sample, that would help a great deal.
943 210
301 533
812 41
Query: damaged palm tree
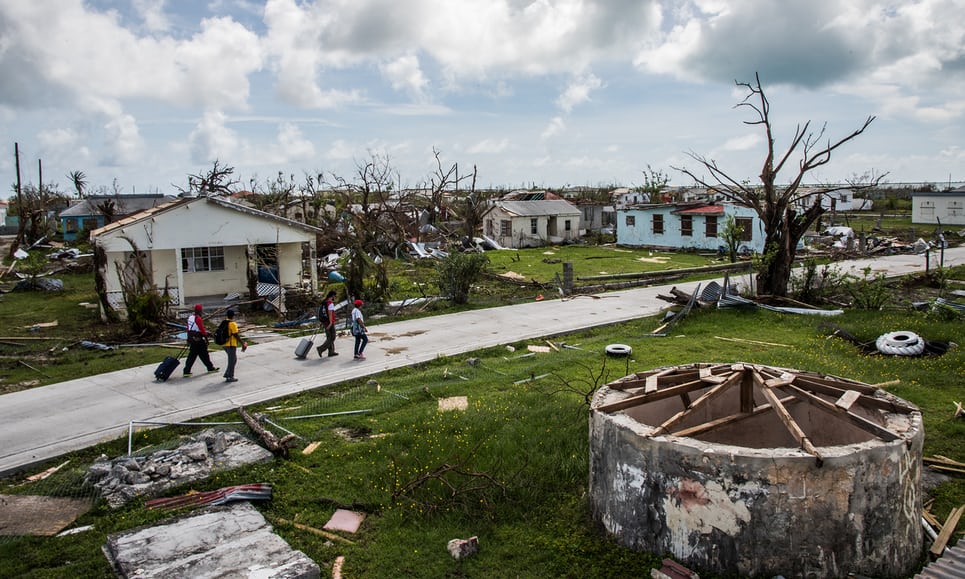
277 446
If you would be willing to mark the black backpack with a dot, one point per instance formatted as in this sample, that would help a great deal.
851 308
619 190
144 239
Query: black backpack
322 314
221 334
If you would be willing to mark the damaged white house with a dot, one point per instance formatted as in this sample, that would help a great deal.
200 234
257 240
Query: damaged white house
204 247
518 224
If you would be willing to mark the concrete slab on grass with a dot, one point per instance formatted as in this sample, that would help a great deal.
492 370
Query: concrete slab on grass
227 541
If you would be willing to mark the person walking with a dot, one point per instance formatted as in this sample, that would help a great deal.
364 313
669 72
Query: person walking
197 343
326 317
359 330
231 347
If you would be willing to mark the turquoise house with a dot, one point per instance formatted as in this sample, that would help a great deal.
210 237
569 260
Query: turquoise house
697 226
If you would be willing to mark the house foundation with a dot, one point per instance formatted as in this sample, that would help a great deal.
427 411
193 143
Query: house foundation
759 471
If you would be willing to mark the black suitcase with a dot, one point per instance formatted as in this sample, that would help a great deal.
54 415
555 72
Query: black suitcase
165 369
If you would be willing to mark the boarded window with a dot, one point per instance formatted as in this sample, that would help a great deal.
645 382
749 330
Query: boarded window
658 224
954 208
202 259
687 225
928 208
710 226
745 224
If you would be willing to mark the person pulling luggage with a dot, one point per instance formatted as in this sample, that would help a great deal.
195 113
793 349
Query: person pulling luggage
197 343
326 317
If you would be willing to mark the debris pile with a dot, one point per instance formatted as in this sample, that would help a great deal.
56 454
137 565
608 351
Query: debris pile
123 479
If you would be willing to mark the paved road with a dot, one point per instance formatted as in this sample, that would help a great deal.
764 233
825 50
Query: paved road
43 423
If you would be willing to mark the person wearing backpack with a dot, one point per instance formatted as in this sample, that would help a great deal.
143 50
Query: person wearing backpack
326 317
197 343
359 330
231 346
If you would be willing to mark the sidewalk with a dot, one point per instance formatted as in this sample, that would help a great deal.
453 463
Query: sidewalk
42 423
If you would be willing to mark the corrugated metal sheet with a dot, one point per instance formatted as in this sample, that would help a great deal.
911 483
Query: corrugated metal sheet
951 565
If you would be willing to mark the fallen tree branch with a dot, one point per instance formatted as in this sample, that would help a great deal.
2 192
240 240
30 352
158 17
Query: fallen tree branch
278 446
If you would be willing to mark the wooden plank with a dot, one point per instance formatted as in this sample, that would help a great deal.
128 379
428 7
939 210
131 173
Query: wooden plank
947 529
699 403
727 420
792 425
859 421
847 399
654 396
865 400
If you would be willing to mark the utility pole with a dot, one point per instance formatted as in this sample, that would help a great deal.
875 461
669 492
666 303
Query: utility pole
21 222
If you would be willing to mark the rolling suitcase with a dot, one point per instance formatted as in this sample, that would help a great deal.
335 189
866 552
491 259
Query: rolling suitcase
304 347
166 367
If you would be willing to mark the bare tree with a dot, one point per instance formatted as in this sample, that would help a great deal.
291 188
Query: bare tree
219 180
786 211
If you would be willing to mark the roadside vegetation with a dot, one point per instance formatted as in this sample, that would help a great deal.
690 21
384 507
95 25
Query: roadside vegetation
519 450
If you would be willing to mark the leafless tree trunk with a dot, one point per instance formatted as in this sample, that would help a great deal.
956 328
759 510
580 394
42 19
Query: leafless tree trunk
785 210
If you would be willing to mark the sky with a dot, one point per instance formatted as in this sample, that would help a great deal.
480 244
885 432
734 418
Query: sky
140 94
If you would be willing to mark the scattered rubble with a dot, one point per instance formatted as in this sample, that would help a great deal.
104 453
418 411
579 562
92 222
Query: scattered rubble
123 479
462 548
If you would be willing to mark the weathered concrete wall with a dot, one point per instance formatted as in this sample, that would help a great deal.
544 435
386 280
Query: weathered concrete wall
759 512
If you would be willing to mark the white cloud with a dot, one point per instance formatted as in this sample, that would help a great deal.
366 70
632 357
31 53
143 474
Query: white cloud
152 13
578 92
405 75
212 140
489 146
743 143
555 127
123 144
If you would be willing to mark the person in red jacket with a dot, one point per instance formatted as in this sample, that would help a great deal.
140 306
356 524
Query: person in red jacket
197 343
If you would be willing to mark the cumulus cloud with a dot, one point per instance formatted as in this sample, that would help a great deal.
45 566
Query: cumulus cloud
122 141
405 75
211 139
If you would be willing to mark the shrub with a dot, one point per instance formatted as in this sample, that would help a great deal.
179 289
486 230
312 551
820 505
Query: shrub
456 273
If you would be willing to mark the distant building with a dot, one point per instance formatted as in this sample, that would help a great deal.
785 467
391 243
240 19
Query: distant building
945 207
90 214
518 224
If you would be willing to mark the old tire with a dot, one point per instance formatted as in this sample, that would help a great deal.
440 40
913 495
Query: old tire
619 350
900 344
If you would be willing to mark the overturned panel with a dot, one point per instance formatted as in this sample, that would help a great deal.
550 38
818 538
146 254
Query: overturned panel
759 471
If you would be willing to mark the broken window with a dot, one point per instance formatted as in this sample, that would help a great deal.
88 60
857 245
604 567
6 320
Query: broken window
505 228
566 225
745 224
631 220
686 225
202 259
658 224
710 226
534 225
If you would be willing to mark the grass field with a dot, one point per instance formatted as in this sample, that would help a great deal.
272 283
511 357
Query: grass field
525 428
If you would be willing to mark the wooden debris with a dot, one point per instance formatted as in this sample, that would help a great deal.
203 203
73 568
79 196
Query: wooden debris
337 567
944 464
278 446
745 341
46 473
311 447
320 532
959 411
947 529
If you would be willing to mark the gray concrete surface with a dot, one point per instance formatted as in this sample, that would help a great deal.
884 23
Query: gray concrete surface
43 423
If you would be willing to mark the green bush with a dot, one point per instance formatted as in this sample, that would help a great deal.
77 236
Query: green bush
456 273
